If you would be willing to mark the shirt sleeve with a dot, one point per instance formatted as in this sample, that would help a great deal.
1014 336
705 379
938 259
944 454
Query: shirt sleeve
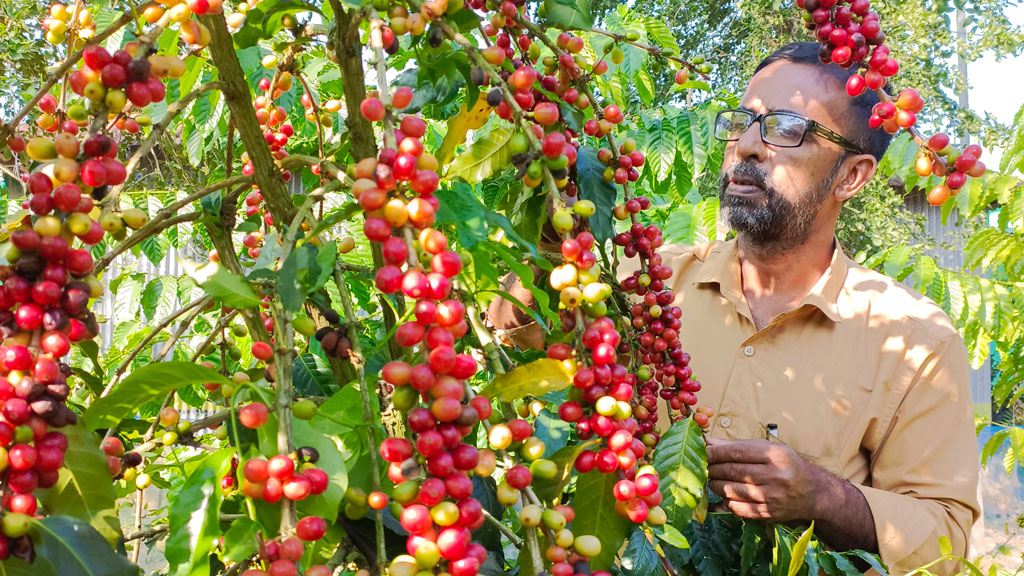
924 475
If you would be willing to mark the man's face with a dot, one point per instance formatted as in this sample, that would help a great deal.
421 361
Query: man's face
772 196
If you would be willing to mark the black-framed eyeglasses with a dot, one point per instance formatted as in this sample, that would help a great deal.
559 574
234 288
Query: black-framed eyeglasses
782 129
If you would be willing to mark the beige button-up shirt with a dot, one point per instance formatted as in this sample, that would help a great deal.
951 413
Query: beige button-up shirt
866 379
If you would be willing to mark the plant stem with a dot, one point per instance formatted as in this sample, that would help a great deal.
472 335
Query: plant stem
238 97
138 524
533 545
284 350
487 341
351 322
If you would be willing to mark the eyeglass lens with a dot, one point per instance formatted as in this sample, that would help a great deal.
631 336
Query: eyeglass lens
778 129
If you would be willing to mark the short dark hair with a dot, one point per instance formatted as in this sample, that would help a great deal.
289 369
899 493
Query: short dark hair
874 142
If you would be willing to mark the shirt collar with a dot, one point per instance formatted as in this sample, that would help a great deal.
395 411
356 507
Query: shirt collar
721 266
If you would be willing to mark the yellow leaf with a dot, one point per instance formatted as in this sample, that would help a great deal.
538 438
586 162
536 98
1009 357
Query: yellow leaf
796 561
534 379
459 125
14 220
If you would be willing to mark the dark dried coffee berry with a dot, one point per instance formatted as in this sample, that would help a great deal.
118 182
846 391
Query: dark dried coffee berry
478 76
435 37
494 97
331 316
309 454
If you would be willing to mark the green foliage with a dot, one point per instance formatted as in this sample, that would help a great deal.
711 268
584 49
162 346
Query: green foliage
595 515
194 516
69 547
681 461
222 285
83 491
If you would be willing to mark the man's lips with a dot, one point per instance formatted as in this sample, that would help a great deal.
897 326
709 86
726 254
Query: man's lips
743 187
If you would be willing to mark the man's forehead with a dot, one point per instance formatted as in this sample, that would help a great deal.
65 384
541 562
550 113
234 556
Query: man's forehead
786 86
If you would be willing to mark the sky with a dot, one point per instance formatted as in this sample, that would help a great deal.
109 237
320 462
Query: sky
998 87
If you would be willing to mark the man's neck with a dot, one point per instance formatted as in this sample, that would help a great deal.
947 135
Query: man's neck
774 283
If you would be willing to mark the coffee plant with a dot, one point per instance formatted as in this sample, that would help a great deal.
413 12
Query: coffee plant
316 391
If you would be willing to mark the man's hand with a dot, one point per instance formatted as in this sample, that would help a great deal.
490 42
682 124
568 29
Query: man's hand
764 480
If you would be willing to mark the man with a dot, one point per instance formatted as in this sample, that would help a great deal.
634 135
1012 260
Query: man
840 396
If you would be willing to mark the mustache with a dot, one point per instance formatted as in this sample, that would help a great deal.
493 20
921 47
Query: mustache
748 172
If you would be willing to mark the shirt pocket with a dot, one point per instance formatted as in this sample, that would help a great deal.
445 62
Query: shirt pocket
819 447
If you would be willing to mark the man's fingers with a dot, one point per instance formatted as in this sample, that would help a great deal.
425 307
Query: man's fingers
736 472
749 451
750 510
737 491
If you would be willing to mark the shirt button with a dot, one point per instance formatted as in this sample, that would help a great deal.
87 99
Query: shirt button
725 421
748 351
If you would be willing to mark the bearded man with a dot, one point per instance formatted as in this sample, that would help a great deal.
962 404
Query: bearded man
839 395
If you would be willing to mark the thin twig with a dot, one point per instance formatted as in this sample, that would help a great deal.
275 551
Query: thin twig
172 112
158 530
512 536
168 346
654 50
149 338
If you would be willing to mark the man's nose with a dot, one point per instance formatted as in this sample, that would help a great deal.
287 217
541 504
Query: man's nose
750 146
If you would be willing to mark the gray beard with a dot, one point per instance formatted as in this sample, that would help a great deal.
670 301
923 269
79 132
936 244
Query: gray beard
776 225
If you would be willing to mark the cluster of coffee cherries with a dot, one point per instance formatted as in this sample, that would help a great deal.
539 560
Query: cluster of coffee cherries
539 94
44 298
433 499
293 476
325 118
273 119
72 175
639 498
127 75
334 338
849 33
59 23
624 167
600 401
180 12
568 554
281 555
958 166
665 370
122 463
402 22
901 113
276 131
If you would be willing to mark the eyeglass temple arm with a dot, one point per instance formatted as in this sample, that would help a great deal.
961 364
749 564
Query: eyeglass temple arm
833 137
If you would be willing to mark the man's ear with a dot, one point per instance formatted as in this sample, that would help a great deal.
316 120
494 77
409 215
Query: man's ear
854 174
